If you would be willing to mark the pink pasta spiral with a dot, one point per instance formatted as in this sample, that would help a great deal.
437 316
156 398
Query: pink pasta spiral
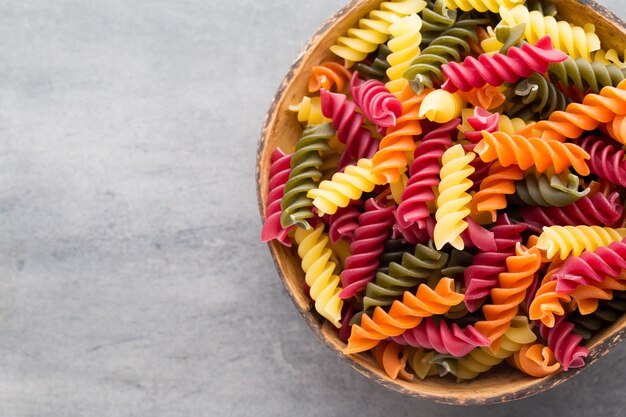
482 275
605 160
369 239
344 222
279 174
443 338
424 175
564 343
349 125
597 209
378 105
482 120
412 233
499 68
591 267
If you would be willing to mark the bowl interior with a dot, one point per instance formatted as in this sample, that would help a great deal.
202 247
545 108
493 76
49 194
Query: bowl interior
282 129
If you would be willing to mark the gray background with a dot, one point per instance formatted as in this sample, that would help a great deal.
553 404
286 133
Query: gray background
132 282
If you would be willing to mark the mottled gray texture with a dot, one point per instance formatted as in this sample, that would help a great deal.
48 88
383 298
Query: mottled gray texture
132 280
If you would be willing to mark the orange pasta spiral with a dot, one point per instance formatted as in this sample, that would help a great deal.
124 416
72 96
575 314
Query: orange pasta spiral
586 297
328 75
547 302
391 158
393 358
528 152
535 360
488 97
495 187
580 117
511 292
403 315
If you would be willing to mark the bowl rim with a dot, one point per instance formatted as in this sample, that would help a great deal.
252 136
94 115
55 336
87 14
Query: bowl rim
596 351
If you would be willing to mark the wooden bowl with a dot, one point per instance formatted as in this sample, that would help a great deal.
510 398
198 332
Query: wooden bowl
281 128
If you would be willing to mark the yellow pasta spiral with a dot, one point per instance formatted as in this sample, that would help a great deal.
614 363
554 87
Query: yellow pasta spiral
405 47
440 106
309 111
345 186
453 202
320 272
482 359
373 30
566 240
481 5
576 41
610 57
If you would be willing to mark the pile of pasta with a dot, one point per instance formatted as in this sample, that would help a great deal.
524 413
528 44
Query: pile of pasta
456 193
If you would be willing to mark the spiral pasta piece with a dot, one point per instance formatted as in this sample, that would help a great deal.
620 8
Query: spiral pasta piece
309 111
486 97
580 117
405 47
617 129
424 174
564 344
548 303
374 229
393 358
403 315
586 75
328 75
440 106
597 209
349 125
536 360
510 293
482 359
567 241
425 263
482 275
345 186
392 252
535 97
391 158
591 267
556 190
450 340
587 297
477 120
453 200
482 5
280 168
425 70
344 222
606 160
498 68
319 272
378 105
528 152
608 312
576 41
495 187
373 30
304 175
420 362
377 68
436 18
608 57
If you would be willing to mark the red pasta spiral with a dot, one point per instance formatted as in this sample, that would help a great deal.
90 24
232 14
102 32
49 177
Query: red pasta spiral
605 160
349 126
279 174
378 105
597 209
591 267
482 120
424 174
369 239
449 340
344 222
482 275
347 312
498 68
564 343
412 233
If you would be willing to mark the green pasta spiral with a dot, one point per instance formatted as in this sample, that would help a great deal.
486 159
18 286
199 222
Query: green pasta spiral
378 68
549 190
304 175
436 18
449 46
392 252
586 75
609 311
534 98
415 268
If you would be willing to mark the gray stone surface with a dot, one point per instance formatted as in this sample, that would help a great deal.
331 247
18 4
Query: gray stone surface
132 282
